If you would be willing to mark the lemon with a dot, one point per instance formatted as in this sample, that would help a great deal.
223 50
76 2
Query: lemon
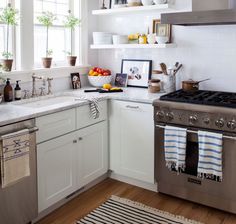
107 86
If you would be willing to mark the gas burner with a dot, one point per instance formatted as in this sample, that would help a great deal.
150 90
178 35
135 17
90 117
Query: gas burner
214 98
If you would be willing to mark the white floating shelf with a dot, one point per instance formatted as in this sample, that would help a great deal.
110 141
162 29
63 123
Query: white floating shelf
160 7
132 46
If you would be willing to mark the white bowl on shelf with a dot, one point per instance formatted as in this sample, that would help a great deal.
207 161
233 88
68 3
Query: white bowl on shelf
157 2
99 81
162 39
102 38
147 2
120 39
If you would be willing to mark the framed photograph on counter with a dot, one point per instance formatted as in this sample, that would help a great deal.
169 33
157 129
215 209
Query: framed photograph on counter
163 30
138 71
75 81
121 80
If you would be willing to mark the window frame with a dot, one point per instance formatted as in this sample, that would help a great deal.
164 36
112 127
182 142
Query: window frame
63 62
23 37
13 37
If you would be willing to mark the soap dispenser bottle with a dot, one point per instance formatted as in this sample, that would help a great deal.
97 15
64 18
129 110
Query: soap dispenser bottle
8 91
17 91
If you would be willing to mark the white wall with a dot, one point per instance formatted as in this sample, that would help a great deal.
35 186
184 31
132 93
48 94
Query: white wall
205 51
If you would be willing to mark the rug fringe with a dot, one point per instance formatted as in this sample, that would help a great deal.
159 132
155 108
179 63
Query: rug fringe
150 209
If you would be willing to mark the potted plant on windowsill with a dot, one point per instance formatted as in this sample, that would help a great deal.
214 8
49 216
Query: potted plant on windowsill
9 17
47 19
71 22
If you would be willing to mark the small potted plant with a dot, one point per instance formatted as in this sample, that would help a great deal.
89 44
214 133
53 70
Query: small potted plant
47 19
9 17
71 22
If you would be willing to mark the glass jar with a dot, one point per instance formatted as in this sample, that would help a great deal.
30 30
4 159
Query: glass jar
142 39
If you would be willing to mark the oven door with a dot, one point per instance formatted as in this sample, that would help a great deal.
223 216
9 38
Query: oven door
221 195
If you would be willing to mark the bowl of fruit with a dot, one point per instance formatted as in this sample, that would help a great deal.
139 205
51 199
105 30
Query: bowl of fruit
98 77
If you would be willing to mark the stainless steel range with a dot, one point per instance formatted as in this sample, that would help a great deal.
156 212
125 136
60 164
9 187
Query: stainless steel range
200 110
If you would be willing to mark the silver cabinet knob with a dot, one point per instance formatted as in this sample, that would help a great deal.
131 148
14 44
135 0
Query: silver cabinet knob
170 116
80 138
74 141
231 125
193 119
220 123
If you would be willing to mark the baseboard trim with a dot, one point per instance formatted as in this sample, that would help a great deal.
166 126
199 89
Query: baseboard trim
138 183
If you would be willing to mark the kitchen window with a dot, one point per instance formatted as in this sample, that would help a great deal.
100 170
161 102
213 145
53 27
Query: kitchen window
3 32
59 36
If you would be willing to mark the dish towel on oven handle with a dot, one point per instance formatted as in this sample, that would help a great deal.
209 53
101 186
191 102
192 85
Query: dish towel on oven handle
210 155
94 108
175 148
14 157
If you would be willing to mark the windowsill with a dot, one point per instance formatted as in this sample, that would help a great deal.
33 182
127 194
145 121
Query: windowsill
54 72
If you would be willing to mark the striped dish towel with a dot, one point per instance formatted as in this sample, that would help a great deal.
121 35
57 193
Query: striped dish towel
94 108
14 154
210 155
175 148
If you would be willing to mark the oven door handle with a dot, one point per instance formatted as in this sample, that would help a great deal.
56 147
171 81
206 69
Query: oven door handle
195 132
34 129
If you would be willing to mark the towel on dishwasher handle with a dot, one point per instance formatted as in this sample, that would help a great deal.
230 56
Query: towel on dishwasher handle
14 157
210 155
175 148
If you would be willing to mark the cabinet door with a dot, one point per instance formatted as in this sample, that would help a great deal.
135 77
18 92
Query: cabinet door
54 125
132 140
56 170
92 151
84 117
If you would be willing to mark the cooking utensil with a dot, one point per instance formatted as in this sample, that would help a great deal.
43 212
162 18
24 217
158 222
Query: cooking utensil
191 85
177 69
164 68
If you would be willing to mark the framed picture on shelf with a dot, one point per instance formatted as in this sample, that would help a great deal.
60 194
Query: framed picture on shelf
117 3
75 81
121 80
138 71
163 30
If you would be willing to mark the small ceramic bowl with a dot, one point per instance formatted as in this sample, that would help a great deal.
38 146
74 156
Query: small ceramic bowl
147 2
162 39
160 2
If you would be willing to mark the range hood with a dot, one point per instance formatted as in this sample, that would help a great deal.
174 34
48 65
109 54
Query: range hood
204 17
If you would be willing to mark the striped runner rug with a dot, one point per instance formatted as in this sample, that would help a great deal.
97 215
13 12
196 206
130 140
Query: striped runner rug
118 210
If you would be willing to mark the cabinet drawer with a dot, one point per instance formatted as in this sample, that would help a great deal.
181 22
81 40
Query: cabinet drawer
53 125
84 117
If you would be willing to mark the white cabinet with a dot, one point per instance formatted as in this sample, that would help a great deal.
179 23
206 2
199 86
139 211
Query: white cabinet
56 170
92 152
53 125
84 117
131 132
67 163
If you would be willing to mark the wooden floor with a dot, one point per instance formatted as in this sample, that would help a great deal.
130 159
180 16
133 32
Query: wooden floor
87 201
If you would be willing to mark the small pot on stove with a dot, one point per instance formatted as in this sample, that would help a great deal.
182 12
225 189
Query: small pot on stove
191 85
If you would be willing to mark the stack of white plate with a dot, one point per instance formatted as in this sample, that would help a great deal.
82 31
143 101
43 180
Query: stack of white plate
102 38
120 39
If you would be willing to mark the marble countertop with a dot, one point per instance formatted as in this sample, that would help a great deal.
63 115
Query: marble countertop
18 110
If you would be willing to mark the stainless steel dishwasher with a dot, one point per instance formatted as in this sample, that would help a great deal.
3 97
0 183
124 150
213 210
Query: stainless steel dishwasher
18 203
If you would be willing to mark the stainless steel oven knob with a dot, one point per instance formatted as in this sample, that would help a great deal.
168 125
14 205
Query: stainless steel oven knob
231 125
220 123
160 114
193 119
170 116
206 121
